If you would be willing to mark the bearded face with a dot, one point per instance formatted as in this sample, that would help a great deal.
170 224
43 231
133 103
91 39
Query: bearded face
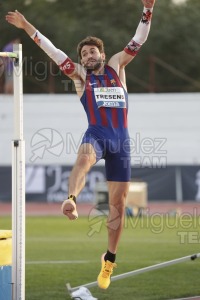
92 59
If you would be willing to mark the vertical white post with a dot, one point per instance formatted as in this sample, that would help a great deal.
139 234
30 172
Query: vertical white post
18 184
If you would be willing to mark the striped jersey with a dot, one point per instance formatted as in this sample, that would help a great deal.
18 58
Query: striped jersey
105 100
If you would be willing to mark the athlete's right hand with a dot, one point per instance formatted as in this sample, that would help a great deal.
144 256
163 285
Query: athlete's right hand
16 18
148 3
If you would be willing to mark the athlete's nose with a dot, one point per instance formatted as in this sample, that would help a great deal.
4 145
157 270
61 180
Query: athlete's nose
89 55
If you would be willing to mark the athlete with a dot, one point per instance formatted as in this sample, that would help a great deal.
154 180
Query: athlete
102 91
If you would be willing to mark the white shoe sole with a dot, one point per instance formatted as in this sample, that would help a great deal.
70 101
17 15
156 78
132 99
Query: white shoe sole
69 209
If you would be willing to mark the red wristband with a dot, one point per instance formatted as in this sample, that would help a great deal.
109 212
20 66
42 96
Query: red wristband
67 67
132 48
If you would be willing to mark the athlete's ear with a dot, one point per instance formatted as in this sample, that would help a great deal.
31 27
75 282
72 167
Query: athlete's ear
103 56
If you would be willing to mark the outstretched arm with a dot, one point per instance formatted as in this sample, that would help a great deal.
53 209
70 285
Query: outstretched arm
19 21
121 59
59 57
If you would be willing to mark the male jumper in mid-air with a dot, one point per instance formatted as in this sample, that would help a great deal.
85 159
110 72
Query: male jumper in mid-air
102 90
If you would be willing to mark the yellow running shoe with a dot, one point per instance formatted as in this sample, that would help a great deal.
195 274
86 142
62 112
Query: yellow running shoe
106 272
69 208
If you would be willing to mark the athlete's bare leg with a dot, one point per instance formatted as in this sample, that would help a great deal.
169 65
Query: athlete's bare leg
85 160
117 196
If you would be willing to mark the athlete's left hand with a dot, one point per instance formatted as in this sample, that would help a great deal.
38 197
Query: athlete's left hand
148 3
16 18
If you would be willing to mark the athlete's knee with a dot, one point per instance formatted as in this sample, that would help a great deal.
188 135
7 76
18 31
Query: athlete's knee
117 208
116 216
120 206
85 160
118 202
118 198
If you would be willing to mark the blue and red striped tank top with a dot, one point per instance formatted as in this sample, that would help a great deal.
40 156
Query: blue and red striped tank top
112 113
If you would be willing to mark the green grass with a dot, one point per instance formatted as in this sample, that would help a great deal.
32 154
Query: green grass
145 241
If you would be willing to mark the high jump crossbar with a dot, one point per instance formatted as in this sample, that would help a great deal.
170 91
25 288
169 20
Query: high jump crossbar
9 54
18 179
137 272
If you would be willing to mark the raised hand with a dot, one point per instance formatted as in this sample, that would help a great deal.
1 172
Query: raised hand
16 18
148 3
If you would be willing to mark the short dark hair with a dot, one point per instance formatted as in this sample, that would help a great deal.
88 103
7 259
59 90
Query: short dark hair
93 41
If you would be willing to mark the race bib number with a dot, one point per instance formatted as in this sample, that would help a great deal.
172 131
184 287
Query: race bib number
110 97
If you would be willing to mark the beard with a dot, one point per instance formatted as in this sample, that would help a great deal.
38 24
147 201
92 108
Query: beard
95 66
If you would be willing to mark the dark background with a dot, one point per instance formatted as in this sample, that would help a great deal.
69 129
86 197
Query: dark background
168 62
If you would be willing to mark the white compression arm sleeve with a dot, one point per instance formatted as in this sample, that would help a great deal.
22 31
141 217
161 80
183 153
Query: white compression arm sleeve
46 45
141 34
143 28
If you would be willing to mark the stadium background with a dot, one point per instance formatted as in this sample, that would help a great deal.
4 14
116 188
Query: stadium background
164 86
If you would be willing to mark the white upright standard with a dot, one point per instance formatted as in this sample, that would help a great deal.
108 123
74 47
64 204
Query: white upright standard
18 183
